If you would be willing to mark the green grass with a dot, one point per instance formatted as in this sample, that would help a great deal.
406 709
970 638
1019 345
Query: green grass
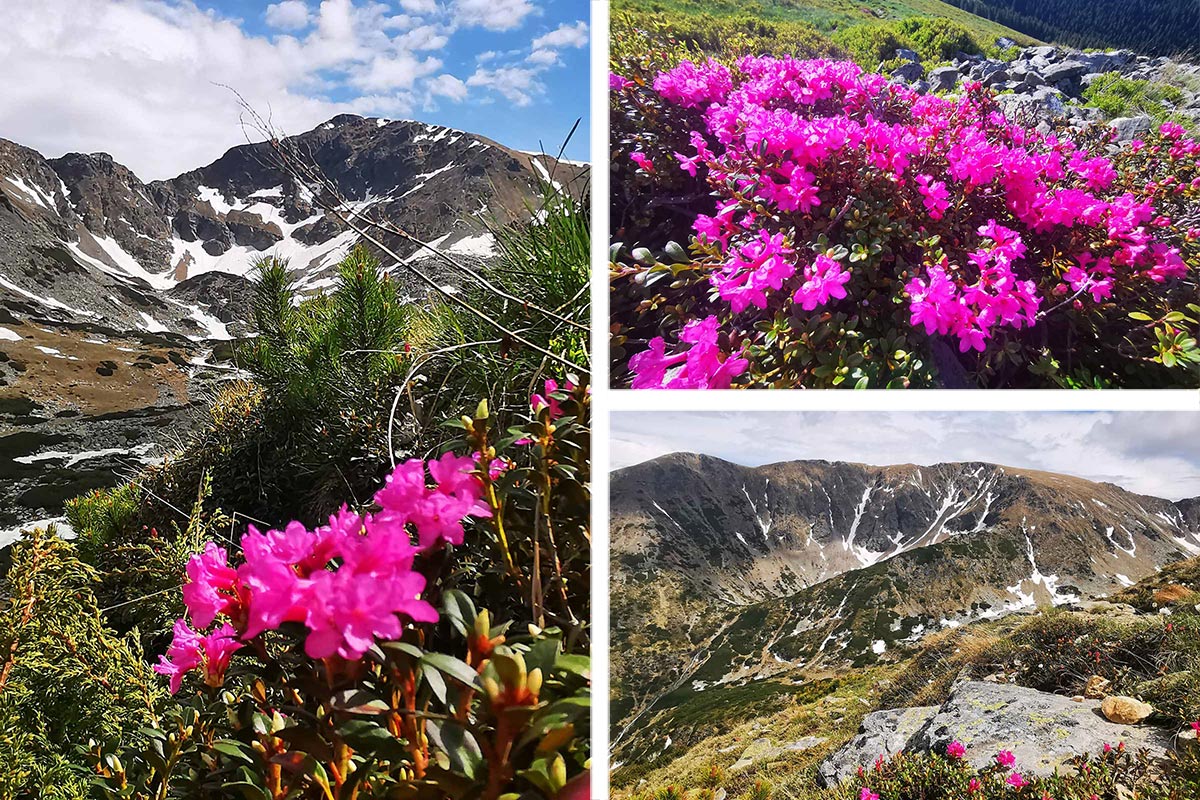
828 16
1118 96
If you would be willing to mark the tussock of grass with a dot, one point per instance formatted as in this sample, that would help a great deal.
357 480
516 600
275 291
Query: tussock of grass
1118 96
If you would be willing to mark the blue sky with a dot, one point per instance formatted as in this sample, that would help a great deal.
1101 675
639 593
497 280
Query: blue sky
1155 453
140 78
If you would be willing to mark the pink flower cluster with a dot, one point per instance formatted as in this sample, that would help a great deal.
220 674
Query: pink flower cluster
703 365
350 582
784 140
691 85
945 306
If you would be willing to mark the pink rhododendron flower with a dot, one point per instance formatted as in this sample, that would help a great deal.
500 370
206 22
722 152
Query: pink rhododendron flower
642 160
763 263
691 85
956 750
974 785
823 279
350 583
702 366
781 139
1172 130
1005 758
867 794
546 400
349 609
210 587
190 650
1017 781
616 83
937 198
183 655
218 647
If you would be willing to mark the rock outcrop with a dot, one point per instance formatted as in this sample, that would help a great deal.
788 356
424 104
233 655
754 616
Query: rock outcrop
1044 83
1044 731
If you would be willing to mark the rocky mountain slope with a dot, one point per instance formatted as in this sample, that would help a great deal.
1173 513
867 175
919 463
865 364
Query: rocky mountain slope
116 294
84 239
732 577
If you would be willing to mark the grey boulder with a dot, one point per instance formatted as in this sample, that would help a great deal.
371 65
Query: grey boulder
1129 128
1044 731
944 79
909 72
882 734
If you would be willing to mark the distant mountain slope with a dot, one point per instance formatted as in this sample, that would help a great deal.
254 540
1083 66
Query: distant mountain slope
83 238
1154 27
726 576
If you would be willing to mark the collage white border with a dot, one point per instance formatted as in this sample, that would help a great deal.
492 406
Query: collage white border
606 401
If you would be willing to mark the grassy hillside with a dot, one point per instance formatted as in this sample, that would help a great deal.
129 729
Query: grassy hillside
828 16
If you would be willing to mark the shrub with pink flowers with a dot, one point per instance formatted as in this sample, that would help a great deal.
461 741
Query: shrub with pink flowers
802 223
430 645
1112 774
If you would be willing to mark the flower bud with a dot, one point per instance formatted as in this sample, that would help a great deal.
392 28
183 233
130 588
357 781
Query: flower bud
483 624
534 681
558 772
511 669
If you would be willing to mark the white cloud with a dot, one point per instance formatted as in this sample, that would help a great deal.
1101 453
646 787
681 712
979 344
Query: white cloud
495 15
401 71
289 15
425 37
1154 453
419 6
545 57
448 86
143 79
563 36
517 84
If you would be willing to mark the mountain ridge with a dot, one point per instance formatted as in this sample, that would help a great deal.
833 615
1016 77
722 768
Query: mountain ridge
126 242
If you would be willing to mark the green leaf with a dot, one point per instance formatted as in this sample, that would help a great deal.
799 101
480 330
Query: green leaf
1141 316
458 607
368 736
403 647
248 790
356 701
232 749
459 670
574 664
436 683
